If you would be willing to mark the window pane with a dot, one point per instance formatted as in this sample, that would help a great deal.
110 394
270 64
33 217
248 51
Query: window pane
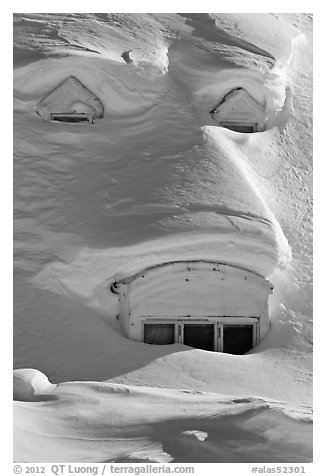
200 336
237 339
159 334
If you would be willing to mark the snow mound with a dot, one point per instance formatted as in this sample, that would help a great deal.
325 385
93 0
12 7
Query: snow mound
97 421
31 385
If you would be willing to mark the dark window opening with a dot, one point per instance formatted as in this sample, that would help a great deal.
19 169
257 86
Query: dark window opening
237 339
159 334
73 117
231 338
237 127
200 336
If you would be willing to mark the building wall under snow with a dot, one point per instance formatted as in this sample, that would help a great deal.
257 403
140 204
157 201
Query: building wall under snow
175 294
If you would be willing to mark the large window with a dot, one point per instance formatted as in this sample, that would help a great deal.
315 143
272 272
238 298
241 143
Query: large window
232 335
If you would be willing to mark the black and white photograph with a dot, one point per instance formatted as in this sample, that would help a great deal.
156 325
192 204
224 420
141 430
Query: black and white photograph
162 241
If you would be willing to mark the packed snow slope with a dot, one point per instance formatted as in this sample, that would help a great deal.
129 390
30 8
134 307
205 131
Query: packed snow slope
154 181
138 424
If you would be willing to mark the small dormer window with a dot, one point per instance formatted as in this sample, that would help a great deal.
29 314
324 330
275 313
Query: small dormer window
71 102
239 112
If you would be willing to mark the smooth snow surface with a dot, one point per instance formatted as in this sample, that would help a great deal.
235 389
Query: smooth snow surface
153 181
152 424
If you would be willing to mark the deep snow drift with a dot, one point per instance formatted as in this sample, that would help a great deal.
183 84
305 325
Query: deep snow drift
154 181
137 424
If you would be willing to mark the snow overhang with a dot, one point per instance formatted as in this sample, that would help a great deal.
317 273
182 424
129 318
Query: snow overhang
191 265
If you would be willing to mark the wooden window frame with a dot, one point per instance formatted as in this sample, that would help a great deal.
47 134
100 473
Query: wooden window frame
217 321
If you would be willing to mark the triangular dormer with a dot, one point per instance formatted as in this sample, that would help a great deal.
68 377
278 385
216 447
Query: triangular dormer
240 112
70 101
